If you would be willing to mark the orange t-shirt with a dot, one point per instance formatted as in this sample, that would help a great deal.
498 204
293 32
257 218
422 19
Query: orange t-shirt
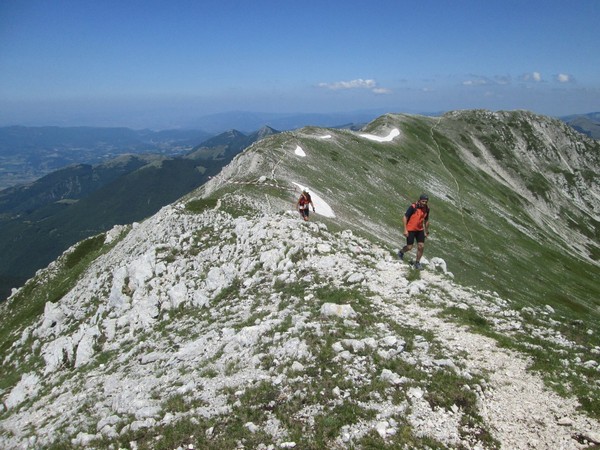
416 215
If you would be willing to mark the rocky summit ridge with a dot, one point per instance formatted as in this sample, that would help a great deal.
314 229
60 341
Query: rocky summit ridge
219 324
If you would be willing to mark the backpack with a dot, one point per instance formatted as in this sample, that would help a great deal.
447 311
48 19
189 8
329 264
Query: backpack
416 206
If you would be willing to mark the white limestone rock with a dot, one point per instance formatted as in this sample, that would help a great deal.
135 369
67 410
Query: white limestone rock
57 352
355 278
342 311
392 377
53 320
436 263
25 389
85 348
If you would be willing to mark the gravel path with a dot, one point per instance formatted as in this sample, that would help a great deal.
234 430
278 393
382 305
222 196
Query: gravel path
520 411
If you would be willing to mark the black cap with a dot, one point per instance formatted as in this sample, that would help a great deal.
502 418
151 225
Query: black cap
424 197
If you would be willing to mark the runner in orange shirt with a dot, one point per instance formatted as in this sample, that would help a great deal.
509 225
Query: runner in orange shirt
416 226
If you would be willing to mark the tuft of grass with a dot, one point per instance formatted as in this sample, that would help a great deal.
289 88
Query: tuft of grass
229 292
200 205
446 389
250 321
413 275
175 403
469 317
403 439
83 249
328 425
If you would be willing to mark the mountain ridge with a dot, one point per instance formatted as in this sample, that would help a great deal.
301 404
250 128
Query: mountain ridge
224 320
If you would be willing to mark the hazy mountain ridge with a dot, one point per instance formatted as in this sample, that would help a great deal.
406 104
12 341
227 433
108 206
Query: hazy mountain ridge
228 144
588 124
250 120
225 320
29 153
71 183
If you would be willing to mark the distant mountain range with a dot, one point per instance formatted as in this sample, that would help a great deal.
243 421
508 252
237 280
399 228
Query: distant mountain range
29 153
588 124
38 221
242 120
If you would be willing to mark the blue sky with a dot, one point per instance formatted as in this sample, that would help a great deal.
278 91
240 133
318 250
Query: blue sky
122 62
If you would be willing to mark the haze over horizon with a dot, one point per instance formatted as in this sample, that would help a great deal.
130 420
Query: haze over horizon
157 64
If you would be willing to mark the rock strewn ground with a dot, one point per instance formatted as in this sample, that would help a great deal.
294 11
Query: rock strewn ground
203 316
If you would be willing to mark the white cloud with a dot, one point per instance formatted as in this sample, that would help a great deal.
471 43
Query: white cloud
476 82
354 84
533 76
382 91
359 83
536 76
563 78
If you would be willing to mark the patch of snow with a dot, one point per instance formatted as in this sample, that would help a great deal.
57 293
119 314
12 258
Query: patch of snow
390 137
299 151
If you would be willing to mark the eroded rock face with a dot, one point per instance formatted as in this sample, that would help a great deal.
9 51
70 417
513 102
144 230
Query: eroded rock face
204 308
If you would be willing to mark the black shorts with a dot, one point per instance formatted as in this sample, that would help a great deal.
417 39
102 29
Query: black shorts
304 212
419 235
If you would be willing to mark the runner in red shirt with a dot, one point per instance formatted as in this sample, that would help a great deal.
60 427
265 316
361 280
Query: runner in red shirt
303 202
